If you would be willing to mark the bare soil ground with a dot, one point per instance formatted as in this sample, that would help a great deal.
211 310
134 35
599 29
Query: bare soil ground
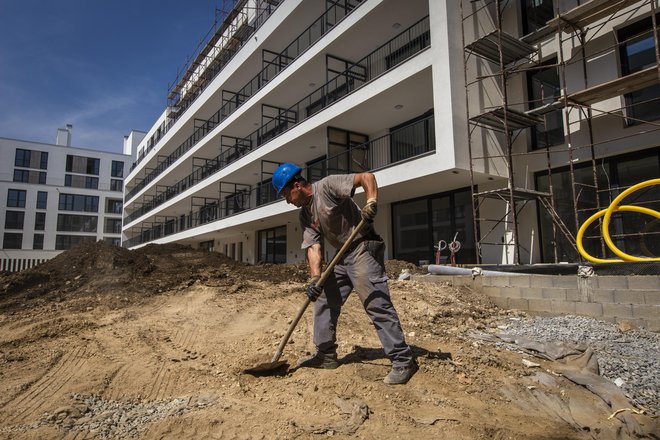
102 342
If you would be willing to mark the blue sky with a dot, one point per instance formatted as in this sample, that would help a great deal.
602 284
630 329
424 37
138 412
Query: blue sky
103 66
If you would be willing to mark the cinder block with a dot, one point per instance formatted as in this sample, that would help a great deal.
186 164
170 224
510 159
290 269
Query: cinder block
563 306
575 295
645 312
499 281
589 309
518 304
613 282
459 280
652 298
629 297
493 292
511 292
554 293
565 281
520 281
532 293
502 303
541 281
539 305
653 324
618 310
603 296
639 282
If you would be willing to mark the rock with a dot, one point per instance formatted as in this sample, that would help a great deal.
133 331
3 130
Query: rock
626 326
530 364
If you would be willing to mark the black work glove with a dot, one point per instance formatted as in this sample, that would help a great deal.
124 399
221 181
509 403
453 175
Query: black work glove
314 291
369 210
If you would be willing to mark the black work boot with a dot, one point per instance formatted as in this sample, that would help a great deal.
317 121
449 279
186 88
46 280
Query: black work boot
401 375
327 361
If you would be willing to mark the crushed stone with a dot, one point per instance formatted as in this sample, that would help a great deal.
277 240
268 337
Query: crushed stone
630 359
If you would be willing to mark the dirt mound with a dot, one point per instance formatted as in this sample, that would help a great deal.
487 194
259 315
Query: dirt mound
113 273
109 270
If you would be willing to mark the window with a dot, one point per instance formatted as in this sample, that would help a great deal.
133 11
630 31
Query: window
419 224
113 206
81 181
43 163
638 53
16 198
26 176
31 159
207 245
82 165
616 173
412 138
14 219
116 185
22 158
535 14
272 245
543 88
117 169
112 240
112 226
317 169
39 221
76 223
78 202
21 176
38 241
12 241
343 157
42 200
64 242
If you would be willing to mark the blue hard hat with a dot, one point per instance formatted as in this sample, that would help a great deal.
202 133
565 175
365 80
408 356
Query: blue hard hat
283 175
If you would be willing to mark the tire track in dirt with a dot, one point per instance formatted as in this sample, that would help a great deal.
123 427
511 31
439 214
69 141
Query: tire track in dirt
50 384
184 343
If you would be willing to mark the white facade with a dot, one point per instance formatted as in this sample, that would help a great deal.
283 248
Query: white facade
54 195
375 85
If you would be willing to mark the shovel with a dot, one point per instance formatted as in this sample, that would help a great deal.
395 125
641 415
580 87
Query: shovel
268 367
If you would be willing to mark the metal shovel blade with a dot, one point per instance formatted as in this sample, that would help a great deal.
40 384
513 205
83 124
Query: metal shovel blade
265 368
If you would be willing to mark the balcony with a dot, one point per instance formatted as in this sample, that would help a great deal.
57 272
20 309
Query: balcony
408 142
411 41
274 64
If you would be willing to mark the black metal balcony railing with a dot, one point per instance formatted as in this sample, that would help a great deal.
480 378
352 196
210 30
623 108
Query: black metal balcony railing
405 143
386 57
277 64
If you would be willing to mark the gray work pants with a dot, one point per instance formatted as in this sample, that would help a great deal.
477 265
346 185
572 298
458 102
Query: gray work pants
362 269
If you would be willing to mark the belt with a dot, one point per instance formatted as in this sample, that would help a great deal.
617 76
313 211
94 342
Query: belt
357 242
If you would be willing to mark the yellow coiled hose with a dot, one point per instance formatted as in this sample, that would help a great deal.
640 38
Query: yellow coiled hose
607 213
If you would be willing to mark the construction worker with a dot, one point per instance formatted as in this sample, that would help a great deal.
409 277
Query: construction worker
329 212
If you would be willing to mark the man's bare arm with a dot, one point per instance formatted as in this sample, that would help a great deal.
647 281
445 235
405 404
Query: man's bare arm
368 182
314 260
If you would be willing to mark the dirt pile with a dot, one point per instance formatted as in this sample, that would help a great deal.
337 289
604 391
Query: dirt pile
108 273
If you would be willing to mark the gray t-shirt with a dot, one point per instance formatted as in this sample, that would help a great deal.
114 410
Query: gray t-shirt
332 214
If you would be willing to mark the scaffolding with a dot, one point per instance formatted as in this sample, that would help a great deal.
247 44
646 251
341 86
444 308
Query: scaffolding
496 58
234 22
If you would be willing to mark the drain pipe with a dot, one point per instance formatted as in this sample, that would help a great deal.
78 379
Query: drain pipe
437 269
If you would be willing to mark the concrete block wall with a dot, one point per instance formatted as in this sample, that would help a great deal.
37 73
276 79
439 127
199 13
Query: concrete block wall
632 298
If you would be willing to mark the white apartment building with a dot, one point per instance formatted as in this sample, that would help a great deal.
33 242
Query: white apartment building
499 124
54 196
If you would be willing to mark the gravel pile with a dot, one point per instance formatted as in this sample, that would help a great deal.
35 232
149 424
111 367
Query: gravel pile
630 359
113 419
